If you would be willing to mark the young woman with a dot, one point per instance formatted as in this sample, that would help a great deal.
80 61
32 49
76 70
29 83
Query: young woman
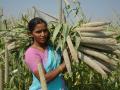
42 52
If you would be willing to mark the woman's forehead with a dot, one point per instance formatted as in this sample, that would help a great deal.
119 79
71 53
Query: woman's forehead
40 26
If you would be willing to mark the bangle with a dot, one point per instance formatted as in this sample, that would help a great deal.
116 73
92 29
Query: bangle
60 69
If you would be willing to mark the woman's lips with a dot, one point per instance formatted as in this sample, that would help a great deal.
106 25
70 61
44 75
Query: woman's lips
43 39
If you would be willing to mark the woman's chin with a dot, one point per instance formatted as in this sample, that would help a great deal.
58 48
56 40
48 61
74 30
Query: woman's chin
42 42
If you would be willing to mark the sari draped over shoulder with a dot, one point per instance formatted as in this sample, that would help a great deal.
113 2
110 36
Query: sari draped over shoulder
52 61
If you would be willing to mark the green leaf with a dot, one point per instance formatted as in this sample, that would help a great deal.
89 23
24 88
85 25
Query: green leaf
56 31
65 33
77 42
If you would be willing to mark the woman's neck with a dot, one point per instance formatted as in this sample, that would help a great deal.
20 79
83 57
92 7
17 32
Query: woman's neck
41 47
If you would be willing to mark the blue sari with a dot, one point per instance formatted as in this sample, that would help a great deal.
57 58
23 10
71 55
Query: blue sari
54 59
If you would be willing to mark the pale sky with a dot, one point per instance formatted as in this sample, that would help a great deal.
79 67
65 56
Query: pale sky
94 9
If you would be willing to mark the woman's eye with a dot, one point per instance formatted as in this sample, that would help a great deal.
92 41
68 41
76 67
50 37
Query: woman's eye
45 30
38 31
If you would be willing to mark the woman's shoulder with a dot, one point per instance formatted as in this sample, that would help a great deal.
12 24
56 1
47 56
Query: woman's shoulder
30 51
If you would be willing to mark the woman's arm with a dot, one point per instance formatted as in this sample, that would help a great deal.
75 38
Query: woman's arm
52 74
32 60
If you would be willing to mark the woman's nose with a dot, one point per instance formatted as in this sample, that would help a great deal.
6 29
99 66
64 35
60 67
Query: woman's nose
42 33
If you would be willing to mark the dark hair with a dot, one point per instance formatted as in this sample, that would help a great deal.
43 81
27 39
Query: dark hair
33 22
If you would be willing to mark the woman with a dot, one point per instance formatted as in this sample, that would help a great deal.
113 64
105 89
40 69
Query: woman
42 52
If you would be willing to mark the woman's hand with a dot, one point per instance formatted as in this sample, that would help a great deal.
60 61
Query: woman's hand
62 67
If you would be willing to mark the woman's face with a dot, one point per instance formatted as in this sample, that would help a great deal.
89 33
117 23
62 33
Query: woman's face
40 33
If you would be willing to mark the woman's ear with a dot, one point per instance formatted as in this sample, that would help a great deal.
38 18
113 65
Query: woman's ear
29 34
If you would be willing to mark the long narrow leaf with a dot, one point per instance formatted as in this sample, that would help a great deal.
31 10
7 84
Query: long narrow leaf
56 31
67 61
72 49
